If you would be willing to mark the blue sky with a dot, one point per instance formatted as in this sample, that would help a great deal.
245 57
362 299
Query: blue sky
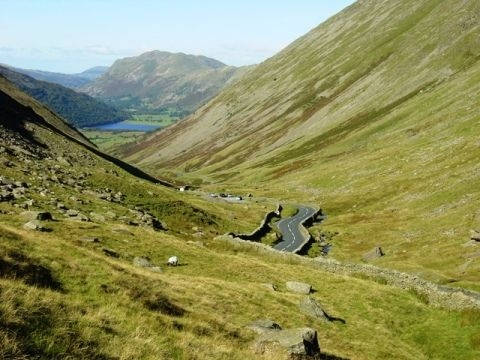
73 35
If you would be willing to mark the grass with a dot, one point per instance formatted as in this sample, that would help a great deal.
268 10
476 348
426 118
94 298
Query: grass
109 141
106 308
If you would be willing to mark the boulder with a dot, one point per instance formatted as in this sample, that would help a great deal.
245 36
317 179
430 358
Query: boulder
298 287
475 236
373 254
300 342
72 212
37 215
311 307
262 326
97 218
81 217
35 225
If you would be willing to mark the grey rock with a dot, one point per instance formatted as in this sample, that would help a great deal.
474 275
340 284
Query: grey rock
110 215
262 326
63 161
72 212
142 262
61 206
90 239
311 307
97 218
373 254
475 236
35 225
6 196
297 342
37 215
80 217
298 287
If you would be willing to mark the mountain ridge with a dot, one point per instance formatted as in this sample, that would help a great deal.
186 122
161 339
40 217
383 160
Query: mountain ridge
78 109
156 80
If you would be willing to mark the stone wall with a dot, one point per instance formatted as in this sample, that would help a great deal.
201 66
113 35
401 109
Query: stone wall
263 229
437 295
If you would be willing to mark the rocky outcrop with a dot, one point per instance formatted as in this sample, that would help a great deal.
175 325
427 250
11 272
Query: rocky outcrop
263 229
298 287
298 343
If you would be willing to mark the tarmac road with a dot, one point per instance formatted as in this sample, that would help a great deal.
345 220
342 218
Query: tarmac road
292 238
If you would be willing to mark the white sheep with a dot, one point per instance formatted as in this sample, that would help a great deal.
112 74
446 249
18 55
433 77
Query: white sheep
172 261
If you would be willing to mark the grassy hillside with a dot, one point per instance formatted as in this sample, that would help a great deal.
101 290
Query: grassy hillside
155 81
373 115
73 291
77 109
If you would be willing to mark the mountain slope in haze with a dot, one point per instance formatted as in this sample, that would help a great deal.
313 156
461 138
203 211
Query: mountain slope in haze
72 81
76 108
158 80
374 115
94 285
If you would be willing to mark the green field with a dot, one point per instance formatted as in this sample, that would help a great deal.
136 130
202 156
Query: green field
160 119
110 141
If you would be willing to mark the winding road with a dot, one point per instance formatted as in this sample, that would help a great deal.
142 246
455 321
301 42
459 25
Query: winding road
292 238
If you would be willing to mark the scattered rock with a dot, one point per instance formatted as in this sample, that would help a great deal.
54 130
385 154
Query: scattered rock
63 161
110 252
269 286
262 326
61 206
35 225
297 342
72 212
298 287
373 254
475 236
6 196
142 262
110 215
80 217
37 215
311 307
97 218
90 239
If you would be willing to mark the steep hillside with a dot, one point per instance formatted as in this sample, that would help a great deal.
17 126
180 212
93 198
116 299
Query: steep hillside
77 109
373 115
158 80
93 73
72 81
86 278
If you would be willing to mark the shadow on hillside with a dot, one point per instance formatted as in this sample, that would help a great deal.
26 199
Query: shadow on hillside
14 116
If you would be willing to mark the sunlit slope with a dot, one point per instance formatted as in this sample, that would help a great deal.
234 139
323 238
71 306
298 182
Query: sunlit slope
375 115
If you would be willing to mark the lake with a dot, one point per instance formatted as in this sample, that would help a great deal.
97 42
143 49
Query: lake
127 126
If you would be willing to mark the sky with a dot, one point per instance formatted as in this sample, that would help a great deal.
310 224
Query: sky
73 35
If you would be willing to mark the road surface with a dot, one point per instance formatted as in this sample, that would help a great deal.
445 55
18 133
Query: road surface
292 238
